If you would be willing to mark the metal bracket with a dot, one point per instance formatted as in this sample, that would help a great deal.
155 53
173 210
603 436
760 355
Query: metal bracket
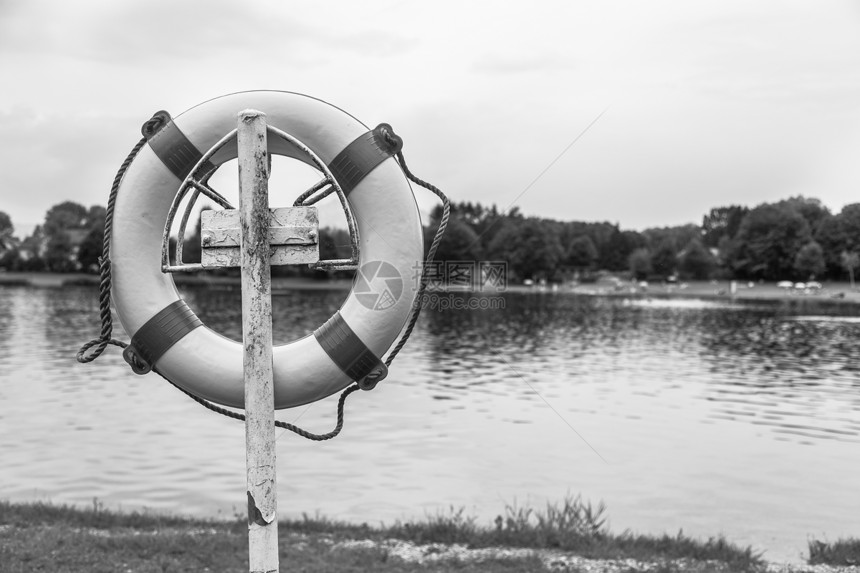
293 237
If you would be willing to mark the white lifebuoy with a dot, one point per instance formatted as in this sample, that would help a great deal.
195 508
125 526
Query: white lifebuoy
202 361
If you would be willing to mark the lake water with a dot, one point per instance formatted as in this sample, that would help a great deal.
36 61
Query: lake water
711 418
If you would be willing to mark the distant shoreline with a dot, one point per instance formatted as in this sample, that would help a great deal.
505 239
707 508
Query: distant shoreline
834 292
831 292
57 280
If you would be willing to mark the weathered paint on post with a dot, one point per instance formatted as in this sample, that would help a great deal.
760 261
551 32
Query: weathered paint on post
257 340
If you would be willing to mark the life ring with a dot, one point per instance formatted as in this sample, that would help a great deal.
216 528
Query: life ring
165 332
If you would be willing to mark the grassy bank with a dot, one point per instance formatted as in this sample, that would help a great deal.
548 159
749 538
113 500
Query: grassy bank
570 536
845 552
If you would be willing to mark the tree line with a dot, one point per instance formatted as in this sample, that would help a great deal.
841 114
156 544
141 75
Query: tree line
69 239
793 239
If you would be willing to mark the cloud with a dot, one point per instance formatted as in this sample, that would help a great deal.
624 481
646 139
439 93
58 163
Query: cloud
167 33
523 63
798 54
182 33
58 158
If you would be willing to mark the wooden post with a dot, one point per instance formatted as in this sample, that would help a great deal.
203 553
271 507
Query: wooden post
257 340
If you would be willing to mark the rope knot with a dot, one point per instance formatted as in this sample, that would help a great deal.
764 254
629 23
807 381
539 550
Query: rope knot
394 141
138 364
154 124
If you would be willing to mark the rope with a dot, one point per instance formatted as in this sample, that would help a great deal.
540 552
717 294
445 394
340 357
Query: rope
105 337
431 253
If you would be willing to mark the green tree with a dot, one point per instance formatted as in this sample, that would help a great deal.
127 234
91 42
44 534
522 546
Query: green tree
96 217
66 226
59 255
581 253
334 244
809 261
459 243
191 248
6 230
831 236
90 249
31 251
811 209
768 241
677 236
10 259
850 261
849 223
530 247
615 252
8 244
664 258
481 219
726 251
639 263
62 217
696 261
722 222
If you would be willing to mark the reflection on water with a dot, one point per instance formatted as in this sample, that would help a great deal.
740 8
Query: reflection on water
793 374
764 365
706 416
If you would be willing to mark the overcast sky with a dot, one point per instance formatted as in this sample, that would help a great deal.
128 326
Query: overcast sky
703 103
